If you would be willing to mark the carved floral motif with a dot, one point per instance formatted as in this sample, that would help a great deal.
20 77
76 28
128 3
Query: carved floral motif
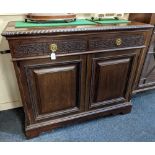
109 42
42 48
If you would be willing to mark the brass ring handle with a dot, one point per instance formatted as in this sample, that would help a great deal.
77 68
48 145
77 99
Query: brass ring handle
118 41
53 47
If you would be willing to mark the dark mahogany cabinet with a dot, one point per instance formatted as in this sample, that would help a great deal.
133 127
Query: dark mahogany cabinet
93 75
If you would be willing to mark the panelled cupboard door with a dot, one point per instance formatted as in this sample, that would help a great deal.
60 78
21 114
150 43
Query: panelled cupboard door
110 78
54 88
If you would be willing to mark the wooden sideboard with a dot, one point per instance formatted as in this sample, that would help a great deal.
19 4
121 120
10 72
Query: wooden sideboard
92 76
147 79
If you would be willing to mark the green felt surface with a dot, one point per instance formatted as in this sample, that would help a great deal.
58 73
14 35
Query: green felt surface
111 21
23 24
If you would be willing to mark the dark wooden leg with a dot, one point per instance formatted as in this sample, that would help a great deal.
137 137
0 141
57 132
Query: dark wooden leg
31 134
126 111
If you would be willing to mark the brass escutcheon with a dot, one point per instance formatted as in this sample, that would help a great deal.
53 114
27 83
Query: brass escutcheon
53 47
118 41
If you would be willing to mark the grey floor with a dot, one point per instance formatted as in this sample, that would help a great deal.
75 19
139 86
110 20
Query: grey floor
139 125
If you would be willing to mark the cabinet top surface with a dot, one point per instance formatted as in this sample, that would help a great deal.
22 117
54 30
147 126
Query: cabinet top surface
11 30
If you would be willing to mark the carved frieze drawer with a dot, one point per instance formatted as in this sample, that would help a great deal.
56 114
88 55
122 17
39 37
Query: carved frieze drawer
111 41
42 47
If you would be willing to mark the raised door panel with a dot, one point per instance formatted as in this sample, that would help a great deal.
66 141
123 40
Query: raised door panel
55 89
111 79
110 76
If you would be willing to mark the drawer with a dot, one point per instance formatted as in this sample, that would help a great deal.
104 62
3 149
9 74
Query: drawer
115 40
41 46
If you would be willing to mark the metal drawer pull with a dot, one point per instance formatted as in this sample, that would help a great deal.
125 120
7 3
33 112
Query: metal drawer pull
118 41
53 48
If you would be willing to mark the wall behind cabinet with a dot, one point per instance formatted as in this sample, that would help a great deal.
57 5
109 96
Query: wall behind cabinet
9 92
